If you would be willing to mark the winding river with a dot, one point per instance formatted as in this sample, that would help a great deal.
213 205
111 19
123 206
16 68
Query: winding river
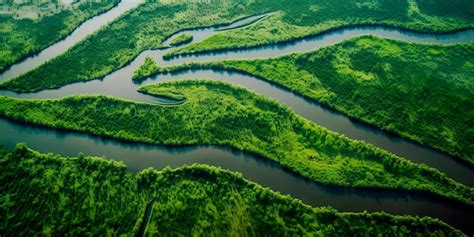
257 169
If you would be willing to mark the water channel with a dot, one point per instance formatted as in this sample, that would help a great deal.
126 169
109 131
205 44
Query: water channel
257 169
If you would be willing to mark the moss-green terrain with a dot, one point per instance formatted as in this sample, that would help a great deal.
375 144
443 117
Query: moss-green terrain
23 37
309 18
182 39
145 70
221 114
421 92
149 24
46 194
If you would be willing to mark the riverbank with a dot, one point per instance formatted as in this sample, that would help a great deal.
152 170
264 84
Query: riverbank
24 38
392 85
190 194
243 120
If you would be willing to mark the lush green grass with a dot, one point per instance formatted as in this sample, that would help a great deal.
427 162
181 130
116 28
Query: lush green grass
53 195
20 38
312 17
182 39
145 70
149 24
145 27
422 92
218 113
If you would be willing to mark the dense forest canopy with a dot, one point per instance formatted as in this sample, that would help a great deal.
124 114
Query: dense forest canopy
398 86
149 24
221 114
63 197
422 92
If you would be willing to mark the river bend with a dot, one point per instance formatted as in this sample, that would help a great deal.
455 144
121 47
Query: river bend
260 170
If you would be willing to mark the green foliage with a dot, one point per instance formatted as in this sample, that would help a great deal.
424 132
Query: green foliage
182 39
149 24
112 47
51 195
400 87
81 196
309 17
221 114
147 69
20 38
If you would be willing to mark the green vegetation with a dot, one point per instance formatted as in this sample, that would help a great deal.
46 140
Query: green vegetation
52 195
222 114
145 70
142 28
20 38
148 25
308 17
422 92
182 39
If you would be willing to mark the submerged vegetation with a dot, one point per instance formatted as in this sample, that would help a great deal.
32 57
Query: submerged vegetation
92 196
422 92
222 114
149 24
145 70
182 39
20 38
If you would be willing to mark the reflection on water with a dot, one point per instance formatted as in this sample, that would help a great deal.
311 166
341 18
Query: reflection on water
260 170
119 84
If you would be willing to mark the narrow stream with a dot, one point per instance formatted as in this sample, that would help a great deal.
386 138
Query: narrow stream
146 217
263 171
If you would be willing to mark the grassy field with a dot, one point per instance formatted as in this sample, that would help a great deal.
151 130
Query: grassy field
309 18
149 24
221 114
20 38
421 92
52 195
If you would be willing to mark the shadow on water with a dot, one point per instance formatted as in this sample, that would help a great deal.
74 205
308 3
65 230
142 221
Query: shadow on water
139 156
146 217
335 121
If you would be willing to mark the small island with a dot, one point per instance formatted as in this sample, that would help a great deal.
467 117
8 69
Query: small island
182 39
145 70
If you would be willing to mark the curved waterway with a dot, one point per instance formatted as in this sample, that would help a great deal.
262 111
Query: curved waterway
260 170
88 27
119 84
257 169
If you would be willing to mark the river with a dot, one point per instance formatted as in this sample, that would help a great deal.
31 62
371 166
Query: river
255 168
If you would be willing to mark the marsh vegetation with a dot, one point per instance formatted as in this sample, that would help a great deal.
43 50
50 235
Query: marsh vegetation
64 198
221 114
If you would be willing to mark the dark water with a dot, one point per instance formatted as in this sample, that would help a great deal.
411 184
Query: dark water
260 170
119 84
257 169
146 217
